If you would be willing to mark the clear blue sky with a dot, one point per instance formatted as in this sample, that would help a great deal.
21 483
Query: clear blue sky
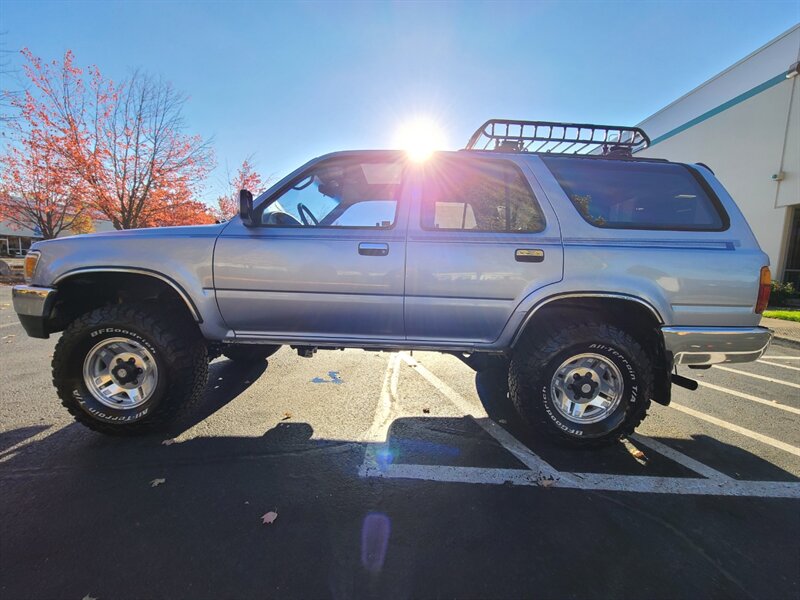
286 82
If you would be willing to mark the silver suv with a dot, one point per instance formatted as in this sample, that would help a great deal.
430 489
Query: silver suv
545 249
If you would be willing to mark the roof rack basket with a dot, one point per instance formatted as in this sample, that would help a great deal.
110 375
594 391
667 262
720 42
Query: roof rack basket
557 138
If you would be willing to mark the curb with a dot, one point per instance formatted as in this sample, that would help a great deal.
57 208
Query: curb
786 340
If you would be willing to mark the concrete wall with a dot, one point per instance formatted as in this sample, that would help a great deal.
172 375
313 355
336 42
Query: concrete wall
745 125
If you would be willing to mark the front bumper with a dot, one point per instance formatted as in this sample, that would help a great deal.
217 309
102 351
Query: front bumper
34 306
712 345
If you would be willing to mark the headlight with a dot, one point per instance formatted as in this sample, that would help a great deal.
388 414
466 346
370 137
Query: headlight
31 260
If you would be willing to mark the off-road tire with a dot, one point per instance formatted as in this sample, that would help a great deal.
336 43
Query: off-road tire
249 353
536 360
173 341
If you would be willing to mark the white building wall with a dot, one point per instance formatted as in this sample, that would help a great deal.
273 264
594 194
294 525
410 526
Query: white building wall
745 125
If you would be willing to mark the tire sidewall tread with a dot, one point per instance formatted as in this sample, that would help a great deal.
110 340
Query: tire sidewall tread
536 359
177 348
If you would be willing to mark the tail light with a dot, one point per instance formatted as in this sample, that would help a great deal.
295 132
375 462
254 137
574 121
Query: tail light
763 290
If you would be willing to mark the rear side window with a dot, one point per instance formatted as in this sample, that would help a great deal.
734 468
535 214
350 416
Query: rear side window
478 195
638 195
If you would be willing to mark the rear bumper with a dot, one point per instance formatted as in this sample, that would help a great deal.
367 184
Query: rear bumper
33 306
712 345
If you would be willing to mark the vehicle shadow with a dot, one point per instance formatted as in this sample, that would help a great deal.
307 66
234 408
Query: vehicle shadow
15 436
227 379
133 518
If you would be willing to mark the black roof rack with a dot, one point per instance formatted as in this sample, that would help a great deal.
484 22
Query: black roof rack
505 135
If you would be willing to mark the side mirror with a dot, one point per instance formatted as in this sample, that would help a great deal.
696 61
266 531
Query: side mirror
246 208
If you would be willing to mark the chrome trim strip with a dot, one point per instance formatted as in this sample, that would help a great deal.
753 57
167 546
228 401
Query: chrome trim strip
32 301
713 345
184 296
555 297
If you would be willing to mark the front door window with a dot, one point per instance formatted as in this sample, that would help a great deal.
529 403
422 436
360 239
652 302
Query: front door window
340 193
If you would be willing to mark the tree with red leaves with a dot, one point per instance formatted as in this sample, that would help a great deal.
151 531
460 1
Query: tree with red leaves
38 187
122 147
246 179
37 190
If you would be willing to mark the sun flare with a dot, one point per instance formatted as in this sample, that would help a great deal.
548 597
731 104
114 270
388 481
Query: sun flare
420 138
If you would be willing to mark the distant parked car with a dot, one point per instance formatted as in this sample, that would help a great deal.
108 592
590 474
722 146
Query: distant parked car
546 249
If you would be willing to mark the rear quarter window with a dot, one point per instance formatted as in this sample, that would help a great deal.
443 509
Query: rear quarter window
618 194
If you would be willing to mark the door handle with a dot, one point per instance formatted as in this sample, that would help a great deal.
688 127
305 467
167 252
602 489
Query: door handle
373 249
529 255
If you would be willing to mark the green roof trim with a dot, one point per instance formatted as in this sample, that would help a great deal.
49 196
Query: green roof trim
722 107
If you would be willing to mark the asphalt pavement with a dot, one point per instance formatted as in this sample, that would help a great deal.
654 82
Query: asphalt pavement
397 475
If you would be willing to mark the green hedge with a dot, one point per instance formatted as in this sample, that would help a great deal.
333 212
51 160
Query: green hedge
780 293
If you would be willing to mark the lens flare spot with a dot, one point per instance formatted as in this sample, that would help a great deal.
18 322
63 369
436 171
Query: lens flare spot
420 137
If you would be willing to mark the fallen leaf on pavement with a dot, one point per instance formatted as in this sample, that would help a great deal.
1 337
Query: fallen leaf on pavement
157 482
426 411
269 517
286 415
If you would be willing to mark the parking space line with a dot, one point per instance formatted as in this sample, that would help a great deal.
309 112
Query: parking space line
766 362
685 486
542 474
593 481
520 451
680 458
382 420
744 396
754 376
765 439
783 357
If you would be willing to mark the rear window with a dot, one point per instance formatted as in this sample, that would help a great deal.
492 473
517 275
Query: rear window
638 195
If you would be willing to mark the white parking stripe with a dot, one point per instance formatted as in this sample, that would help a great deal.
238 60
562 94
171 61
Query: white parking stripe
736 428
766 362
681 458
505 439
593 481
762 377
783 357
382 420
685 486
744 396
540 473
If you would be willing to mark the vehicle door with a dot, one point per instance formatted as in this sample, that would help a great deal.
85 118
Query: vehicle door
480 240
327 258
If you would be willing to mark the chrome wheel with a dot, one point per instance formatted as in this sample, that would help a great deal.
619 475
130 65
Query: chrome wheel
586 388
120 373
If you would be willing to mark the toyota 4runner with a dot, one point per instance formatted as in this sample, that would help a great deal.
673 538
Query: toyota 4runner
546 249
